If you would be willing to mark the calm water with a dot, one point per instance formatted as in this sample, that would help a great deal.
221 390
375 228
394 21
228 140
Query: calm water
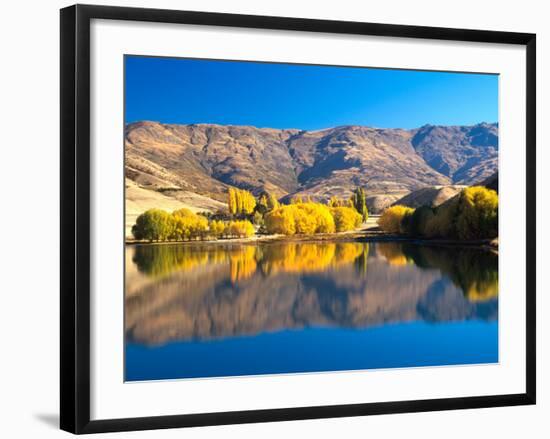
222 310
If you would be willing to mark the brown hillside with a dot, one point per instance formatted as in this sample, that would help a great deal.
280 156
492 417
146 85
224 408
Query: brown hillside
466 154
430 196
195 164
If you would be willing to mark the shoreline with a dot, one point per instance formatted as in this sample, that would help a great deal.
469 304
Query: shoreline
355 236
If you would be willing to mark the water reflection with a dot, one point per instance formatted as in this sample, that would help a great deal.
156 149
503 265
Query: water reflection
216 291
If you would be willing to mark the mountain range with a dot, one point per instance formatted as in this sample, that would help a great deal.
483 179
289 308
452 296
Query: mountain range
193 165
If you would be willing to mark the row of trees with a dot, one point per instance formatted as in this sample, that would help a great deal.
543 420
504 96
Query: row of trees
184 225
471 215
357 201
240 201
309 218
299 217
231 229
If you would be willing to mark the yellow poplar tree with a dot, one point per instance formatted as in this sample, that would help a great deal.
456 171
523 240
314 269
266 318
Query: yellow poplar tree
346 218
390 220
232 202
241 201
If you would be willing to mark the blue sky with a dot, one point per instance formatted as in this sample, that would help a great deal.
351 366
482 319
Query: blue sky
174 90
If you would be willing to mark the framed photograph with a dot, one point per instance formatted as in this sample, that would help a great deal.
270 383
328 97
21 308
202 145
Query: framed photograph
268 218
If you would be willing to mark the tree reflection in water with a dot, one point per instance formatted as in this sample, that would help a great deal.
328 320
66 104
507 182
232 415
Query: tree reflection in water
204 291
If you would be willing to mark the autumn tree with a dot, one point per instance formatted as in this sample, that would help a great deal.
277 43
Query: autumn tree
184 213
477 213
188 225
242 229
232 201
153 225
334 201
240 201
217 228
390 220
305 222
281 220
346 218
248 202
301 218
324 221
471 215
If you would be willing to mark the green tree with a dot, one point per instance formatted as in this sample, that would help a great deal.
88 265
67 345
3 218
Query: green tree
272 202
262 206
416 223
258 219
266 203
359 202
443 223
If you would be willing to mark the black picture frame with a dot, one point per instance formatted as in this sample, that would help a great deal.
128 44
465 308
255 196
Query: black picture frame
75 217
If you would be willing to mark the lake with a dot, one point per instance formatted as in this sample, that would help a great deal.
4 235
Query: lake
223 309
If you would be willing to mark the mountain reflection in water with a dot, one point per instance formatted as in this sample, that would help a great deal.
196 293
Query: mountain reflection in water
209 292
